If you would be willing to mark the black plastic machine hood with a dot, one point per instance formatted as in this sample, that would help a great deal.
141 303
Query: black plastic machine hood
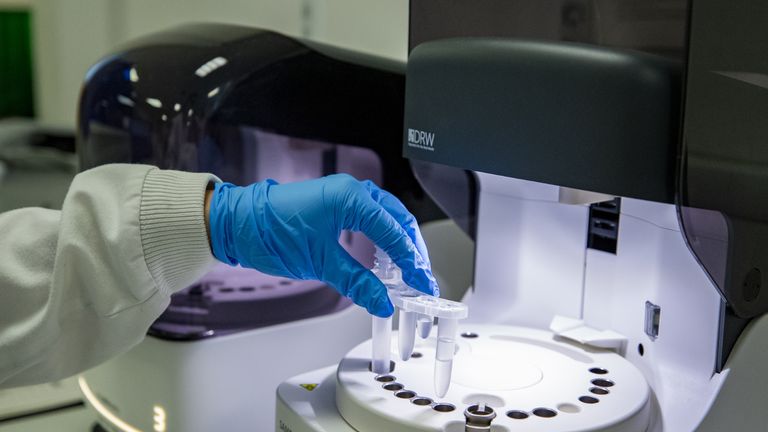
560 113
168 98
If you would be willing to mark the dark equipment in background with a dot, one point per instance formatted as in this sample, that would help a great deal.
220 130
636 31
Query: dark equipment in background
16 72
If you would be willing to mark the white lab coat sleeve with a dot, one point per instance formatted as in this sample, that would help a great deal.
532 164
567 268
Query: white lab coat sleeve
83 284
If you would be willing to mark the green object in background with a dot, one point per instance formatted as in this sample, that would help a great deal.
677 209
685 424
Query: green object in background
16 94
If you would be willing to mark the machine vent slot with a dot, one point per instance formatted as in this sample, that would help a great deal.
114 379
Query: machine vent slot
603 231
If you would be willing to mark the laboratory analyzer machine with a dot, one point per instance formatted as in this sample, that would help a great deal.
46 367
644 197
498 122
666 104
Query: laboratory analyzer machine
611 160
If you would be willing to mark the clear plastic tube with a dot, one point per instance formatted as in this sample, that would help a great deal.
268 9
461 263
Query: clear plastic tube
406 334
424 325
416 311
381 341
381 329
446 347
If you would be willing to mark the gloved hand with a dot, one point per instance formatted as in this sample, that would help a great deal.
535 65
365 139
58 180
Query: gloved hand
292 230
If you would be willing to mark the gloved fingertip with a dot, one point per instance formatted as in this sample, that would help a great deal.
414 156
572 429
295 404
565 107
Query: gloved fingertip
435 290
423 280
382 308
365 289
369 185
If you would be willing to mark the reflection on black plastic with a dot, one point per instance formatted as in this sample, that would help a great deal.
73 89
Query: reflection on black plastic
180 99
453 189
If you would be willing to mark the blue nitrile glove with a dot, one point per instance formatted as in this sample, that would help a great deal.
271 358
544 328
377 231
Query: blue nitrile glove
292 230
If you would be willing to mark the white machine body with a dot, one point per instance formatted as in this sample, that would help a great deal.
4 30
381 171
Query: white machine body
216 384
546 311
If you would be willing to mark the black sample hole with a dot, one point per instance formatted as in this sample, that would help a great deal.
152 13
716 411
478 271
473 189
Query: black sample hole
544 412
599 371
443 407
416 354
599 391
640 349
517 415
392 386
469 335
226 289
421 401
247 288
475 409
405 394
589 400
602 382
385 378
267 287
391 366
284 282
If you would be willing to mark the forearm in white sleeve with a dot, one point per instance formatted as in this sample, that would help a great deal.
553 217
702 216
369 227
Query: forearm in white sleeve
83 284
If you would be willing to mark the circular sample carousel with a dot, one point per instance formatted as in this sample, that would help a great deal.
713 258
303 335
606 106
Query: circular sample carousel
504 379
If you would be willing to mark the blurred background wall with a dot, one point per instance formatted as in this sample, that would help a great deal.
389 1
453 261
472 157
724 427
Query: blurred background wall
70 35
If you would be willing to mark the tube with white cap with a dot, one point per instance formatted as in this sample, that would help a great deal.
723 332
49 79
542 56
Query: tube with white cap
416 307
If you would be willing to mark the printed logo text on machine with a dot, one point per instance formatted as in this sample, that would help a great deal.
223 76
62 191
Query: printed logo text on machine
421 139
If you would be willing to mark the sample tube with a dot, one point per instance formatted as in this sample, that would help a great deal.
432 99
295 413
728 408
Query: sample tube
381 340
424 325
381 328
406 334
446 346
415 308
